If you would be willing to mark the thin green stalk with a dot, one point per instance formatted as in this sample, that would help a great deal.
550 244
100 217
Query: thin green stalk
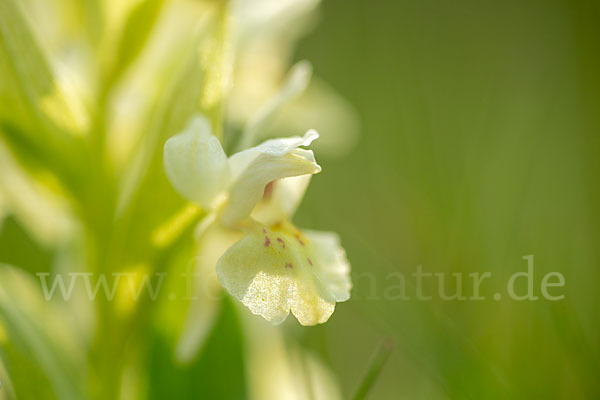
376 364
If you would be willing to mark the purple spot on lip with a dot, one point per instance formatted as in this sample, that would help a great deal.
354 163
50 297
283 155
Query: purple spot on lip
280 240
309 261
267 241
289 266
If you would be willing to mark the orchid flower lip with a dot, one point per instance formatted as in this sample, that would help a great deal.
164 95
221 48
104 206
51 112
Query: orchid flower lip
278 269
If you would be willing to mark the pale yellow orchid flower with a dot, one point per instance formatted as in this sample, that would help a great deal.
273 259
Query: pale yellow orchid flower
275 268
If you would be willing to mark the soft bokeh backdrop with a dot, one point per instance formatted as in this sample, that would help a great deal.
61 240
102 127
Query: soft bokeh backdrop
479 145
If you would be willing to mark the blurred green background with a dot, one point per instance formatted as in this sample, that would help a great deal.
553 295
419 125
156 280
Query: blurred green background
480 144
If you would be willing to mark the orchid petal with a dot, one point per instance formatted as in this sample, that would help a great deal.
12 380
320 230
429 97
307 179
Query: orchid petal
196 164
275 147
254 168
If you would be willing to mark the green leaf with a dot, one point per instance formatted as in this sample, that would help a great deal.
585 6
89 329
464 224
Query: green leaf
37 343
18 248
36 120
27 65
134 36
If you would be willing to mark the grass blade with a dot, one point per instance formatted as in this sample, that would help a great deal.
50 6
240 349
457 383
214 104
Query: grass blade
378 360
